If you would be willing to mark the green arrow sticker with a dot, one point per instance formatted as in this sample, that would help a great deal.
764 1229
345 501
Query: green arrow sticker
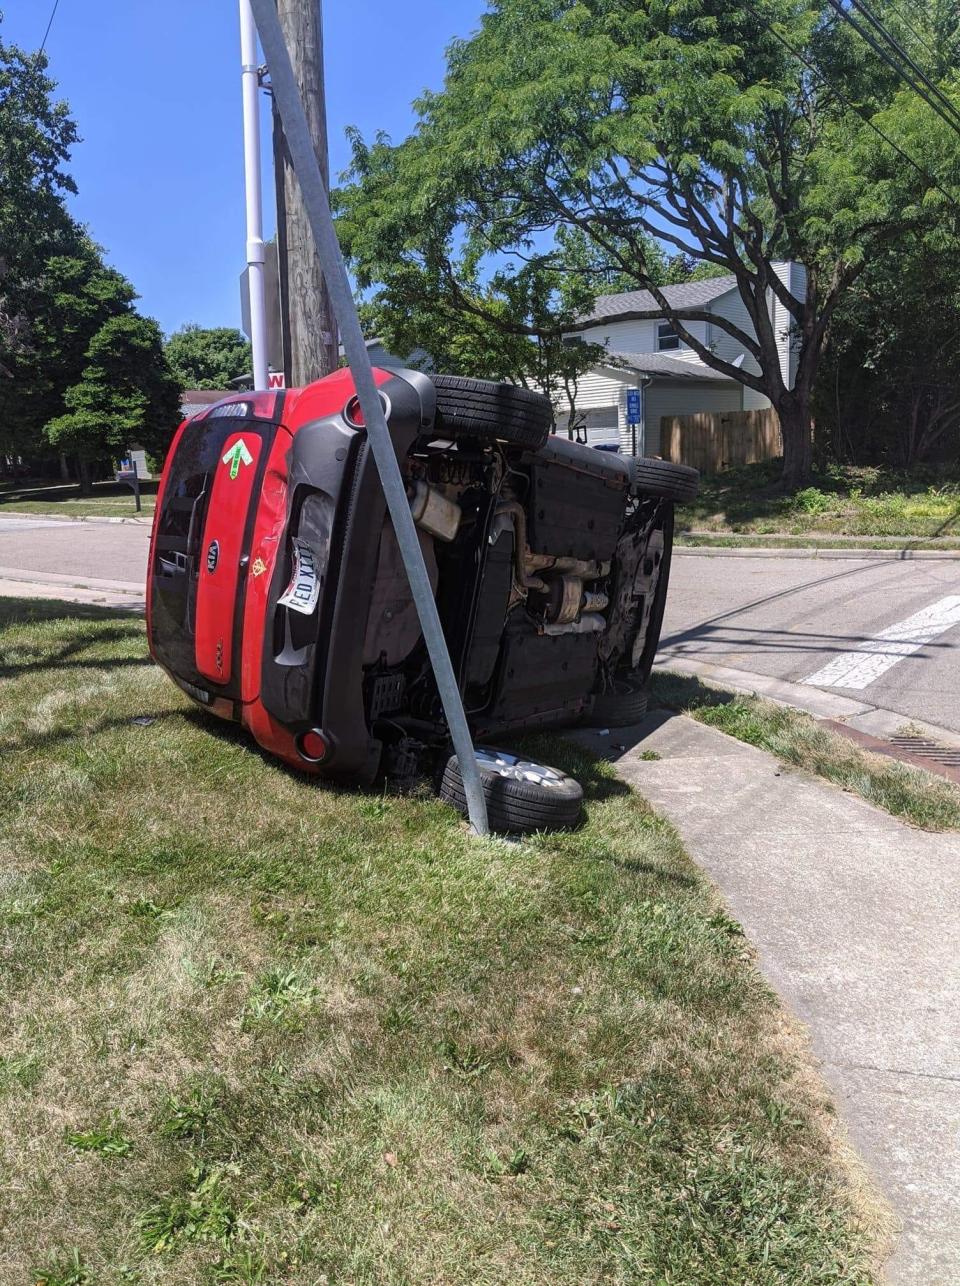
236 456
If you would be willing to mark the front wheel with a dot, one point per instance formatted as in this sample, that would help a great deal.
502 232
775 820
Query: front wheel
522 796
486 411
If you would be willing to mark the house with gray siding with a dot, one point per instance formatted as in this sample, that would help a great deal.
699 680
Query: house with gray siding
647 354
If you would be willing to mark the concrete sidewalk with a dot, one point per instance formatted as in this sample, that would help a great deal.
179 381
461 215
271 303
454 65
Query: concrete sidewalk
130 595
856 918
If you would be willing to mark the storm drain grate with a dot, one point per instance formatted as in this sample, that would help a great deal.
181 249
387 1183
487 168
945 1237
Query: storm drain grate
924 748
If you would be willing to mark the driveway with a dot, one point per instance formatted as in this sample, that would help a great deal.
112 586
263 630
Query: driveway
879 631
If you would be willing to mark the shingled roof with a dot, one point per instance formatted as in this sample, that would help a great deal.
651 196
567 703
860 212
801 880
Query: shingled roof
641 303
665 367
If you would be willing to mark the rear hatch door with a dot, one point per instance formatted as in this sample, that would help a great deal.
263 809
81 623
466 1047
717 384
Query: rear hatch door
201 543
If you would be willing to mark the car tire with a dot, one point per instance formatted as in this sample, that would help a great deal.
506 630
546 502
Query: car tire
485 410
641 673
676 482
619 707
521 796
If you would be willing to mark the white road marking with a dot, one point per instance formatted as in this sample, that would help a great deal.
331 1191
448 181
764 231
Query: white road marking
873 658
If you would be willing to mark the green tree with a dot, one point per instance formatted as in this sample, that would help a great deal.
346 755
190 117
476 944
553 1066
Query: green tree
70 300
889 384
694 124
36 134
203 357
126 395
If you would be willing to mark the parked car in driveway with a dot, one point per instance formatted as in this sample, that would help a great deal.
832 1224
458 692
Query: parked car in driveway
277 597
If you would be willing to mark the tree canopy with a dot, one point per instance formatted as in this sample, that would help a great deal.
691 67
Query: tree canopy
36 134
736 135
80 371
126 393
202 357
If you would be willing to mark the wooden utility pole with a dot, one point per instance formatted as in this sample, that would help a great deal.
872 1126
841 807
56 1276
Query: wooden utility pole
310 342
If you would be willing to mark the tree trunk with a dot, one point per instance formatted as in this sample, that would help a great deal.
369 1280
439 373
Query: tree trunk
86 482
797 429
64 467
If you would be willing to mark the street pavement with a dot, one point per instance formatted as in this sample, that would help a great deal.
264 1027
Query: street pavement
103 551
856 920
878 631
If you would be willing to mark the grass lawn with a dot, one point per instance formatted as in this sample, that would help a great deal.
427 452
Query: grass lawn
797 738
255 1030
109 500
843 501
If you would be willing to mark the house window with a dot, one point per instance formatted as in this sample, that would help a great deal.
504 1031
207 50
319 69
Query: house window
667 337
570 340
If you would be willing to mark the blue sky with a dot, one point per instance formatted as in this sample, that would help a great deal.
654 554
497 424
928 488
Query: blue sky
154 86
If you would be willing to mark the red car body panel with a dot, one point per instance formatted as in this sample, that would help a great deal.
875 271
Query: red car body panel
222 552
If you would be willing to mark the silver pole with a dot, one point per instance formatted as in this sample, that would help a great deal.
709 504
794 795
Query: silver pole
287 98
250 80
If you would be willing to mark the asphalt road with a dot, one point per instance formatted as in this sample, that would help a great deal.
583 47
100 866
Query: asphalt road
105 551
790 618
879 630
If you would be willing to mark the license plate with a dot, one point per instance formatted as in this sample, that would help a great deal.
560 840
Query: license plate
303 592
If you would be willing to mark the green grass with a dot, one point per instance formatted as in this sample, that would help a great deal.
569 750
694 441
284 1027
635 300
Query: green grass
255 1030
109 500
797 738
843 501
826 542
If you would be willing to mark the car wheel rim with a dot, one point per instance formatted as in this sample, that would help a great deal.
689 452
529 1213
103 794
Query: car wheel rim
516 769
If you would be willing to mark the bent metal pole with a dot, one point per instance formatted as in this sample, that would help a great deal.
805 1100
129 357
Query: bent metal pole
250 79
287 98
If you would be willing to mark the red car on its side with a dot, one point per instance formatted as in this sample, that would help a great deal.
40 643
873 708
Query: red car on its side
276 596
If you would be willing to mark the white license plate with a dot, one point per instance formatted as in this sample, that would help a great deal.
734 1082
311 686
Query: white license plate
303 592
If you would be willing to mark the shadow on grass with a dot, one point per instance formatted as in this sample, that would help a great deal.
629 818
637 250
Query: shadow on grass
29 611
13 494
61 735
681 692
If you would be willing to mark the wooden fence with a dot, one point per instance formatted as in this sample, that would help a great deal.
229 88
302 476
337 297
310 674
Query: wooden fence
715 440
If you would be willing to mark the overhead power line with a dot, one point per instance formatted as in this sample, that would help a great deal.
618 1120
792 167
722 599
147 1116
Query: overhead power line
847 102
888 58
53 14
913 31
915 67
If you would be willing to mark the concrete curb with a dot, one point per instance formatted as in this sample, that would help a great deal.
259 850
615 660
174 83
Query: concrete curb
128 595
875 721
899 555
804 538
144 521
71 582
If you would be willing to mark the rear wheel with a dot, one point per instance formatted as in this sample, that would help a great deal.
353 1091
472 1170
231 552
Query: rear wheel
522 796
485 410
623 704
676 482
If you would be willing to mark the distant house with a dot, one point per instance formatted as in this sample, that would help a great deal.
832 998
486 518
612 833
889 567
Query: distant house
194 400
647 354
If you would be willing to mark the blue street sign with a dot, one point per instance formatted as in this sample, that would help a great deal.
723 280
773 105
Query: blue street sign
633 406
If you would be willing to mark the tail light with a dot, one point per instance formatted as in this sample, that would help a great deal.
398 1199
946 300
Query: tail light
314 746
